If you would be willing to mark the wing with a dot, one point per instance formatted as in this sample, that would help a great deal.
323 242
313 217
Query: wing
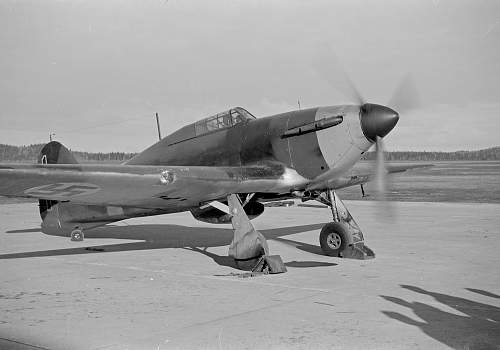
139 186
361 174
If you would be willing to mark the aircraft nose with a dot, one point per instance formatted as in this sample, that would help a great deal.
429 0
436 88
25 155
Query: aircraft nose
377 120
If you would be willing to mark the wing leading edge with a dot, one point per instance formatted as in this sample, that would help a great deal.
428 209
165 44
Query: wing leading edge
139 186
362 176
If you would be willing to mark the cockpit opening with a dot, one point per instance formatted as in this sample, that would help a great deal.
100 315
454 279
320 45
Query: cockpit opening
222 120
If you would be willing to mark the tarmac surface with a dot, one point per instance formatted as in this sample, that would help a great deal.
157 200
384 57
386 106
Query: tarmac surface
150 283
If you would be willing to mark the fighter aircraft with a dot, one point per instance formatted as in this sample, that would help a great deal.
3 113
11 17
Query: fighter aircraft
221 169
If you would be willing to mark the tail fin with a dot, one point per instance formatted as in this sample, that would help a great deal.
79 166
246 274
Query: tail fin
53 153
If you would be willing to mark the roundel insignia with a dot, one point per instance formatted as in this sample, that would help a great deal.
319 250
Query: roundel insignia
62 189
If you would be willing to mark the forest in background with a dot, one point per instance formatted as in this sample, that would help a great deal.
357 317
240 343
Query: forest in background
492 153
9 153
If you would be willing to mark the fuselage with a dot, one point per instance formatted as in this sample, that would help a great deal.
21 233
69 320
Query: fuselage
280 156
265 140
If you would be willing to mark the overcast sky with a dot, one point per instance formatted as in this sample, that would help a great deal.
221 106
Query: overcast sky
95 72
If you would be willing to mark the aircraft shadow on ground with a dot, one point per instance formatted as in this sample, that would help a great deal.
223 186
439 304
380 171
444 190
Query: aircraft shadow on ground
174 236
26 230
478 329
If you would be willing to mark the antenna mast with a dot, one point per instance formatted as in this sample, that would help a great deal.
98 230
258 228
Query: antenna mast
158 126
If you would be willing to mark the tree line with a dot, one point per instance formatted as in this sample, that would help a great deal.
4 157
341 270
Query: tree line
9 153
29 153
492 153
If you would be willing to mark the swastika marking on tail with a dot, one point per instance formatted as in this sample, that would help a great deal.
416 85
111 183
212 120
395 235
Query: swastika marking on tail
62 190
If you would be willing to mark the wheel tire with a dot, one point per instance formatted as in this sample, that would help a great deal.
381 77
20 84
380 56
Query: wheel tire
334 238
77 235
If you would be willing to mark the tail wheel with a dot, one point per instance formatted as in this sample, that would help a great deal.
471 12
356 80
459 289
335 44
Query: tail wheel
334 238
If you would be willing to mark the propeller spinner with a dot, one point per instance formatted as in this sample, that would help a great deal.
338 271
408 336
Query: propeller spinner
377 121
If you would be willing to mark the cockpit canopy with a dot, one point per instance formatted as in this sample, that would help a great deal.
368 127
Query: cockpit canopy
219 121
222 120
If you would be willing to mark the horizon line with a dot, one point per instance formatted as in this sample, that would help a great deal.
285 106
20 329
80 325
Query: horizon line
370 151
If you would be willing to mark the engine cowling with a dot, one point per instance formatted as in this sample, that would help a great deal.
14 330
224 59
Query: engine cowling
215 216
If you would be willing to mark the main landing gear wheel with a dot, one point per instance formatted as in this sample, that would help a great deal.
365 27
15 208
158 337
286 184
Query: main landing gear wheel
77 235
333 238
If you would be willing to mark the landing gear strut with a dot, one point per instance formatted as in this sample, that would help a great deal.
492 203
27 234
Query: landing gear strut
342 237
249 247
